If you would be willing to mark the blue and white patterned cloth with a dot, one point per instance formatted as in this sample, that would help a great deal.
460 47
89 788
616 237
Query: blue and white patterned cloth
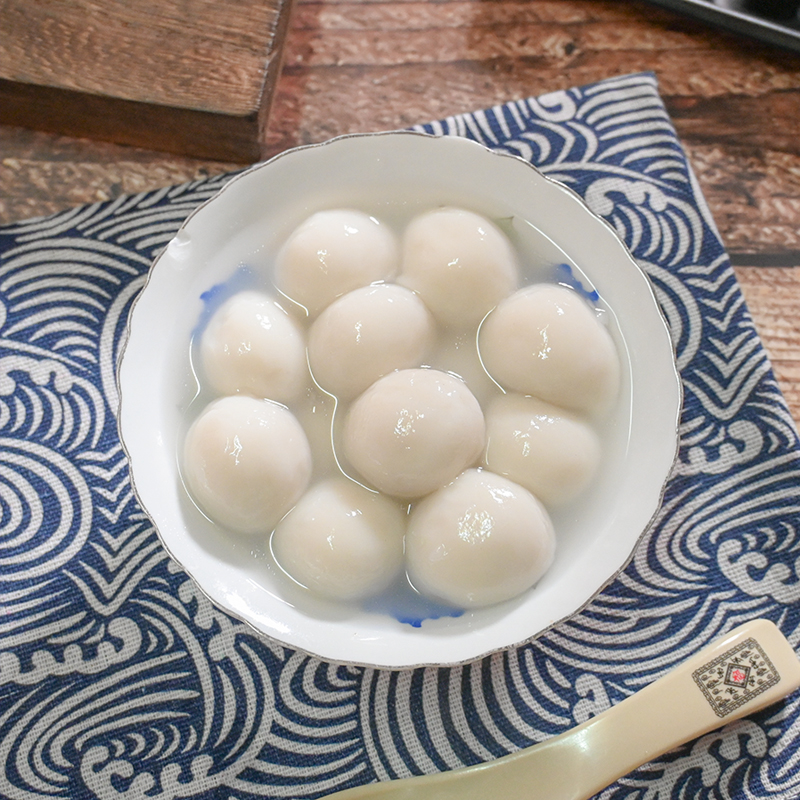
118 679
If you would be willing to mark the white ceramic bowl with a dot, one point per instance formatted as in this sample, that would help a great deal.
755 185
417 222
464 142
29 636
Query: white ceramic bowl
245 223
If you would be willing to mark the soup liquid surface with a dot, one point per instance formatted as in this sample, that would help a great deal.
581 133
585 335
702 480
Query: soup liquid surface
321 414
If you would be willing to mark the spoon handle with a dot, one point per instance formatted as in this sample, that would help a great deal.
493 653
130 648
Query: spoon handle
746 670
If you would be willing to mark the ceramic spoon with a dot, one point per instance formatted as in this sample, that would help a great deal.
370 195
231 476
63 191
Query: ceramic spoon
748 669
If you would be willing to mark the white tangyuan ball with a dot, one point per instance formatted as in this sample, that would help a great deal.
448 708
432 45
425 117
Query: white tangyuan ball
478 541
367 333
460 264
546 341
413 431
332 253
551 452
252 346
341 540
246 462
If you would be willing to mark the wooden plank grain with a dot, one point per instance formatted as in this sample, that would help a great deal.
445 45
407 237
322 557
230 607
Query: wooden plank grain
394 95
192 76
754 195
43 174
773 298
716 85
351 32
767 120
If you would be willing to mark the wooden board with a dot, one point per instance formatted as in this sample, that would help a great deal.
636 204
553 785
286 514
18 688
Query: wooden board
194 77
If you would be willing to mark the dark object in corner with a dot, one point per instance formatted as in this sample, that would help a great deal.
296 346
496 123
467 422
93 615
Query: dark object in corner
775 22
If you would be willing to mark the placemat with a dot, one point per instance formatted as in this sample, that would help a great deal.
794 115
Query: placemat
118 679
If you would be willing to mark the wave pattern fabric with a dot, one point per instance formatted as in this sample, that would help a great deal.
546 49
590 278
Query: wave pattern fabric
118 679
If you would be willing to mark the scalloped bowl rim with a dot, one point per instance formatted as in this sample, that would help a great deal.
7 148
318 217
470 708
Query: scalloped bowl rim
450 168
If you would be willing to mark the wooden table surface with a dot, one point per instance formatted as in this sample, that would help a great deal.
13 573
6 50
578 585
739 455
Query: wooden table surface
361 65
